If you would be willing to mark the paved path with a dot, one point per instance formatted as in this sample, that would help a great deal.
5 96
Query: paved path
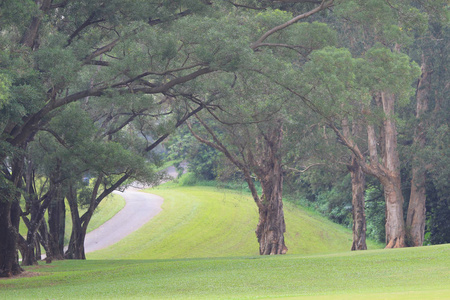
139 209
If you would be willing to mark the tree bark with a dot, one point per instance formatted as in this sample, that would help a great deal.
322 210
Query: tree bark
76 244
9 264
358 187
358 212
395 225
56 226
265 162
416 217
271 226
9 222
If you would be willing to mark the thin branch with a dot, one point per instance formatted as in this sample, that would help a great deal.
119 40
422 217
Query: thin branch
246 6
98 63
153 22
306 168
86 23
101 50
140 76
178 124
324 5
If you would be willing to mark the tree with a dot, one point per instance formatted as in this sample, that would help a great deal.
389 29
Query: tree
430 91
257 151
57 53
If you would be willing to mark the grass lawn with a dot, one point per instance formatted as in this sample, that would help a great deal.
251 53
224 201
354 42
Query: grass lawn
411 273
203 246
211 222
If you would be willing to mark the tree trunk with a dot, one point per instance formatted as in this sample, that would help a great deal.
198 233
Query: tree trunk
358 187
56 224
76 244
9 264
358 213
28 251
9 222
267 167
31 251
271 226
43 237
416 217
395 224
415 220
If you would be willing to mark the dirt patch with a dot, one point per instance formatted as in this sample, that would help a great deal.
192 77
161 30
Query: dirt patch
27 272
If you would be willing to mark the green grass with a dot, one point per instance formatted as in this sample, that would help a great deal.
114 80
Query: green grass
105 211
411 273
210 222
201 222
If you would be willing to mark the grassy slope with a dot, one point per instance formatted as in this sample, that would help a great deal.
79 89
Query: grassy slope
211 222
414 273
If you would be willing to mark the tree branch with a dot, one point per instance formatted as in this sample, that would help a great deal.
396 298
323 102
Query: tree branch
323 5
86 23
306 168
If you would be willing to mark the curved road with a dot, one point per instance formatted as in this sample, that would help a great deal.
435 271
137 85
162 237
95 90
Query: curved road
139 209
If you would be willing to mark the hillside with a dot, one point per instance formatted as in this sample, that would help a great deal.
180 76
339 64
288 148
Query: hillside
210 222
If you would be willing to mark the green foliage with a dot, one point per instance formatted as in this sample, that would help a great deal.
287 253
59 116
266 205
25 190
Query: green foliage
391 23
58 64
438 214
16 12
223 44
188 179
375 213
5 84
201 160
390 71
334 80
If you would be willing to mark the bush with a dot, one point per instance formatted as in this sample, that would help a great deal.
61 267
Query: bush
188 179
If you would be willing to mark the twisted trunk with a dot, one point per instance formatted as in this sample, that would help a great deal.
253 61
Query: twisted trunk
271 226
76 244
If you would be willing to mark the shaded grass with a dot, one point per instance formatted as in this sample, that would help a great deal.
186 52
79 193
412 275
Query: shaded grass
211 222
410 273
